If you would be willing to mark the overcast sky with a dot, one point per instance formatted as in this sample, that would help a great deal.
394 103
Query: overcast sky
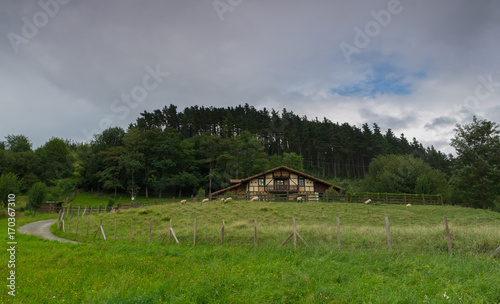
70 69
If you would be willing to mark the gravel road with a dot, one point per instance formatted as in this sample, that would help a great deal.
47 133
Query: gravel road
42 229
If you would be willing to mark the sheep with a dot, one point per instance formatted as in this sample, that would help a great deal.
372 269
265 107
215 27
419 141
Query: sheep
408 205
369 201
183 202
228 199
255 198
300 198
205 201
222 200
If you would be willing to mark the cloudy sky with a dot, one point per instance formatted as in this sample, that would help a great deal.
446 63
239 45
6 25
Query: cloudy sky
71 69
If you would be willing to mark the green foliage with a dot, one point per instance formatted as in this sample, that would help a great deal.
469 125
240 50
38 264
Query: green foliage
476 175
18 143
403 174
201 194
56 160
9 184
37 196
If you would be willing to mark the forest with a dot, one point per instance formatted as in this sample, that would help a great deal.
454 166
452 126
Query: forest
181 153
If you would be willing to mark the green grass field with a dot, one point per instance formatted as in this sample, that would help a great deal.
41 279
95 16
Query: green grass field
416 270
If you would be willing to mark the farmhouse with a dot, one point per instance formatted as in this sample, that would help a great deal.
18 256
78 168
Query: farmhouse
282 182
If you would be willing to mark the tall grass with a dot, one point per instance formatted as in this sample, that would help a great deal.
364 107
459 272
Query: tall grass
121 272
416 270
415 229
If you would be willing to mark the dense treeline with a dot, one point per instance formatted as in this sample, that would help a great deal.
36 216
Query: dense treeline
329 149
203 148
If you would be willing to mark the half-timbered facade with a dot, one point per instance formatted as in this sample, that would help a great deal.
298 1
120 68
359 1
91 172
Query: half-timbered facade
280 180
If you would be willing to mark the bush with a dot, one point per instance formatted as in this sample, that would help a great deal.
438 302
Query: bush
37 196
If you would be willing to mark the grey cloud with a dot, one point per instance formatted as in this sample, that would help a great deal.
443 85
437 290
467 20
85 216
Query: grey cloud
280 53
440 122
394 122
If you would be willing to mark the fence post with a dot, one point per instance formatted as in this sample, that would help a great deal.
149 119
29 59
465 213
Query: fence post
338 232
294 235
150 228
388 232
448 237
194 233
405 198
496 252
59 219
170 232
131 230
255 233
173 200
222 233
386 198
423 199
77 221
442 202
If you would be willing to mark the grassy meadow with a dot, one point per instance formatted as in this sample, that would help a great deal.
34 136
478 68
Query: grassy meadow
416 270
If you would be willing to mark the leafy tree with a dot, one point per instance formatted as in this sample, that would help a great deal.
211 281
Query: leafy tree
57 162
476 175
18 143
293 161
9 184
404 174
185 180
37 196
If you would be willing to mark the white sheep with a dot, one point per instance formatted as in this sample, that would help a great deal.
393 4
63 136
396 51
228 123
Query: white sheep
408 205
221 200
205 201
369 201
255 198
183 202
228 199
300 198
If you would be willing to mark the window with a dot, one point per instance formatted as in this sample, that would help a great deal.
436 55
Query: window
261 182
302 182
280 182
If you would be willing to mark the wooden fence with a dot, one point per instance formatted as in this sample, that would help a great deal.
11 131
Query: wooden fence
64 223
384 198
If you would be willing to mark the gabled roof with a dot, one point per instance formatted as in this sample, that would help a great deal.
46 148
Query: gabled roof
301 174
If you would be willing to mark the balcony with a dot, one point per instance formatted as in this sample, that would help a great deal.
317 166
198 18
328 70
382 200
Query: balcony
281 188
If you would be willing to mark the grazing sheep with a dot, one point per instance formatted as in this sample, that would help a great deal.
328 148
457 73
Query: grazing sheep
228 199
369 201
300 198
183 202
205 201
408 205
221 200
255 198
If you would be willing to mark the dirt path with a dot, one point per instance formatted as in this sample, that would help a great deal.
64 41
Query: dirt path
42 229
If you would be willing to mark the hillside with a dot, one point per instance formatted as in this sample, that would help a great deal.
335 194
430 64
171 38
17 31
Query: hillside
415 228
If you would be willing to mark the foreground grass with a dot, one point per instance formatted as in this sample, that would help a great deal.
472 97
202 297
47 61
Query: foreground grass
417 269
121 272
